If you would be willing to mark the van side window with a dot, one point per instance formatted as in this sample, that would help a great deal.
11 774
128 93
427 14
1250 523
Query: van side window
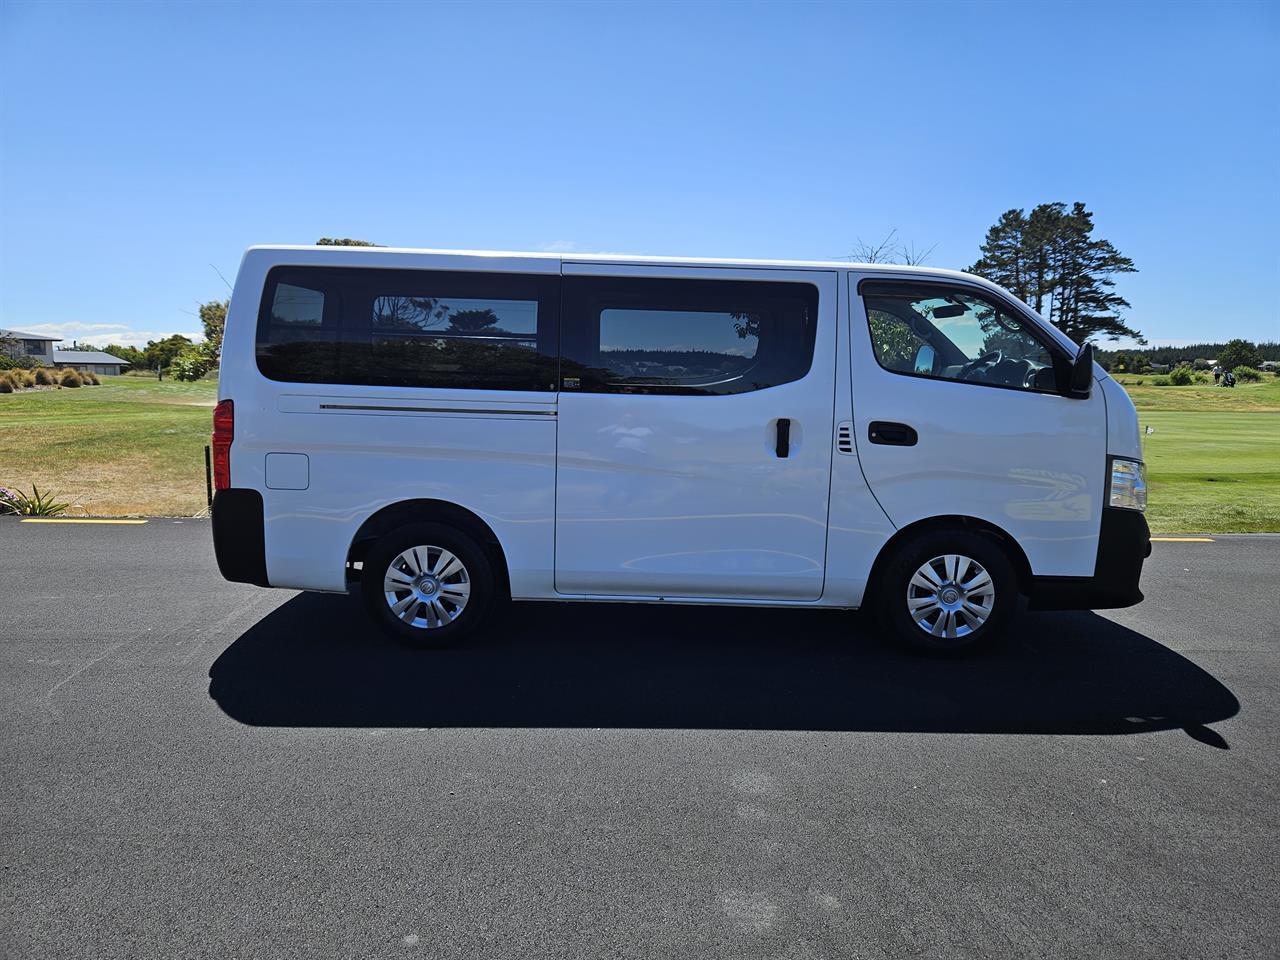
955 333
664 336
409 328
296 305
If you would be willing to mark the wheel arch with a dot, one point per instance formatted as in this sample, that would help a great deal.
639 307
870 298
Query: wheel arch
403 512
952 522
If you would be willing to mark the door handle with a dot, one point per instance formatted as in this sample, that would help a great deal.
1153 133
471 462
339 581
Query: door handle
782 446
892 434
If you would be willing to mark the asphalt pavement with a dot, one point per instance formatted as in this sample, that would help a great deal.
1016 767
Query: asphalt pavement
193 768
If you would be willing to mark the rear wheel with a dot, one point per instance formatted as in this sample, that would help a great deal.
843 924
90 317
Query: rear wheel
427 584
948 591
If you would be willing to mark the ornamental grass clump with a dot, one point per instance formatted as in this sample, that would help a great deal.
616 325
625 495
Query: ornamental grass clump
71 378
35 504
43 377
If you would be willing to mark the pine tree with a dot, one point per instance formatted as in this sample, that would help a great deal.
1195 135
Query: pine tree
1052 261
1004 255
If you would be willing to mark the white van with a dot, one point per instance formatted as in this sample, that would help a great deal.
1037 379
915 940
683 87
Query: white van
447 430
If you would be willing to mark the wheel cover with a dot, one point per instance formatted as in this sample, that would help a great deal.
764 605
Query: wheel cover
426 587
950 596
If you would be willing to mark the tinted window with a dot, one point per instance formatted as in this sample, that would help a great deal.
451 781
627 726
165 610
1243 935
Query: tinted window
953 333
291 306
633 335
412 328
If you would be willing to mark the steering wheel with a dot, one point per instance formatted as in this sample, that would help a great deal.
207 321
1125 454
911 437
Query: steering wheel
986 360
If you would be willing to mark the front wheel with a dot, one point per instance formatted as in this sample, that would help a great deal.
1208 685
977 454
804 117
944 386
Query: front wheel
427 584
948 592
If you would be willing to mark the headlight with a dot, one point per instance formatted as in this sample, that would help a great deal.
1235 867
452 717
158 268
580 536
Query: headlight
1128 484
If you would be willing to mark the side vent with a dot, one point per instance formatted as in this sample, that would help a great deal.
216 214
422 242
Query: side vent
844 438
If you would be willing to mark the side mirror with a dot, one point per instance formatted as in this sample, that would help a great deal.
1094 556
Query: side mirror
1080 383
924 359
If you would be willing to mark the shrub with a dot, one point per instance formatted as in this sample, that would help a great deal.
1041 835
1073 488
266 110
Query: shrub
1180 376
71 378
1160 381
43 377
192 363
36 504
1201 377
1248 374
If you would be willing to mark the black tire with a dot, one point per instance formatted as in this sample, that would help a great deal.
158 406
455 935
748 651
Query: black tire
895 593
477 575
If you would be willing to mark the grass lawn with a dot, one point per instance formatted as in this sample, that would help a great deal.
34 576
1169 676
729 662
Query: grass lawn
1213 460
136 446
1212 472
130 446
1206 398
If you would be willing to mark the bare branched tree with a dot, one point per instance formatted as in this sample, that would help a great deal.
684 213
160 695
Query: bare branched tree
889 250
913 256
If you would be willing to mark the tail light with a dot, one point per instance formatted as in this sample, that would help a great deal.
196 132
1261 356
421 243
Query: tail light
224 431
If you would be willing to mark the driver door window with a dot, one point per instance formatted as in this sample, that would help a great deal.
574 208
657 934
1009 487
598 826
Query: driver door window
954 334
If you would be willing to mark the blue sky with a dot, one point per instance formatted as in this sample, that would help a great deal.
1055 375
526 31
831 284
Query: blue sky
140 143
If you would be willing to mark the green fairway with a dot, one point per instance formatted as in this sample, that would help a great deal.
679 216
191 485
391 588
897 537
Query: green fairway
1213 472
1205 398
130 446
1213 458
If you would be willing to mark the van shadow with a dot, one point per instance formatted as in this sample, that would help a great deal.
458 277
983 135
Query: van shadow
317 661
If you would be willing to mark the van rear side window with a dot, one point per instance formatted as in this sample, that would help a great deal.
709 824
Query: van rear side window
409 328
296 305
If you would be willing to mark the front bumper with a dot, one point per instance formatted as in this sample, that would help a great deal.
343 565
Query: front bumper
1124 542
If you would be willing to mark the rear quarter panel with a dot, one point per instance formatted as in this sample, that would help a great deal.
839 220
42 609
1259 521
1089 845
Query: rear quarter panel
489 451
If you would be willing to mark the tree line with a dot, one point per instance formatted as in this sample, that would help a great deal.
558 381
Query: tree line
1229 356
178 355
1196 351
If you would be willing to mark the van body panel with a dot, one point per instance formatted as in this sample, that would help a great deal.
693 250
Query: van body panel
502 470
1032 464
686 496
1124 434
857 526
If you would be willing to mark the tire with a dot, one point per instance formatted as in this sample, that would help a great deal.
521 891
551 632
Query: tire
436 600
964 607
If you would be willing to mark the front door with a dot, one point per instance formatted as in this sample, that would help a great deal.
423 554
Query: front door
695 432
957 412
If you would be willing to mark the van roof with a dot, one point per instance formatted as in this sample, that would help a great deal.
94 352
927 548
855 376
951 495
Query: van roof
576 257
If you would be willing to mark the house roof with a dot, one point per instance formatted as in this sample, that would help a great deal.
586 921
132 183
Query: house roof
85 356
19 335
